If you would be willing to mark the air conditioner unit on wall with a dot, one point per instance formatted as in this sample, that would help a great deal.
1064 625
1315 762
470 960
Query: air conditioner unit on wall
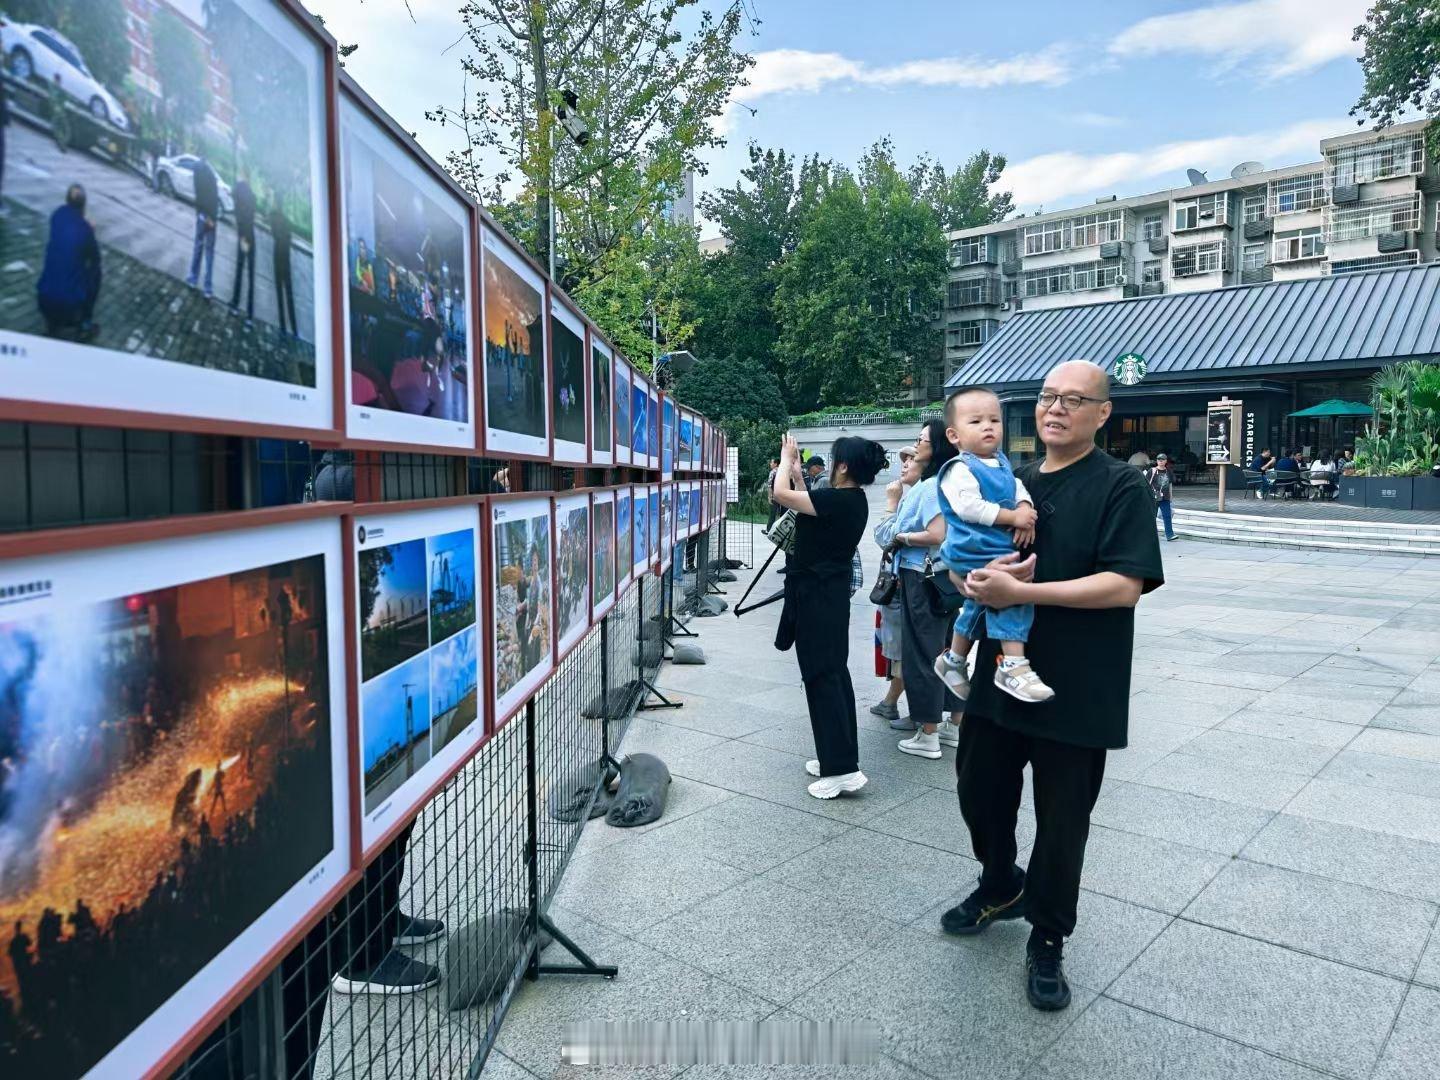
1121 279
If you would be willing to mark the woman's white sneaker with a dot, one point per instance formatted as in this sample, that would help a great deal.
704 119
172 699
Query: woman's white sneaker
827 787
1021 683
921 744
812 767
949 733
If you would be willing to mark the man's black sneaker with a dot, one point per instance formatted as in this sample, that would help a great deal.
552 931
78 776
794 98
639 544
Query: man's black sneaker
1045 983
977 912
415 931
397 974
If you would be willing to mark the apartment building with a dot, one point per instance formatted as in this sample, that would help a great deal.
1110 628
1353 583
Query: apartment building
1371 201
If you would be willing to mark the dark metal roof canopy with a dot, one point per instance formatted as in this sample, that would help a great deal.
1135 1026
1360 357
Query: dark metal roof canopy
1369 319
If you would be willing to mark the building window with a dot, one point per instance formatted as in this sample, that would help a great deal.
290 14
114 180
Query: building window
1252 257
1297 193
967 334
1374 262
1398 155
1153 227
1095 229
1253 208
1055 279
1202 213
1200 259
1297 245
1396 214
1152 271
980 290
969 250
1094 275
1040 239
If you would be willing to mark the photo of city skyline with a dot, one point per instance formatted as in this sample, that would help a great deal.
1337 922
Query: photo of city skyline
454 681
394 606
395 732
452 583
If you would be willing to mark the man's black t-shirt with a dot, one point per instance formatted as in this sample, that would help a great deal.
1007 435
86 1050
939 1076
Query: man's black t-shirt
826 542
1095 515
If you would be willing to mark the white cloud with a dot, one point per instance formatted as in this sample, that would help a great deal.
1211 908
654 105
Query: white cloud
1290 36
1048 178
1095 119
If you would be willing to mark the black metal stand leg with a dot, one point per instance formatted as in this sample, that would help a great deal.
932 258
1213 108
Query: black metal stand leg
663 702
586 966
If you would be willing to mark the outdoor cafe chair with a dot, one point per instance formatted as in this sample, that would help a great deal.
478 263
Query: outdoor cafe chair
1254 482
1287 483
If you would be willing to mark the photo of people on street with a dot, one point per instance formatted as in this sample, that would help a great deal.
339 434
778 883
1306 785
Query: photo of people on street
516 413
601 371
454 677
572 569
407 276
165 779
567 383
602 544
394 606
164 200
520 546
395 728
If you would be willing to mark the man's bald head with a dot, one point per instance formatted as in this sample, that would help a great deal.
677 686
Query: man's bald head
1078 396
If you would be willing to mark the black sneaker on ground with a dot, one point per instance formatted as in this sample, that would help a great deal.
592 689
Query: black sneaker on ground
415 931
1045 983
976 912
397 974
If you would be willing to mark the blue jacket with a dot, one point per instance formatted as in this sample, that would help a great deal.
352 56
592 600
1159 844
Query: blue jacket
72 260
968 544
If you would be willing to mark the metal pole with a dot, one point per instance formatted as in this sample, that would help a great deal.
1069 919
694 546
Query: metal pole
1223 471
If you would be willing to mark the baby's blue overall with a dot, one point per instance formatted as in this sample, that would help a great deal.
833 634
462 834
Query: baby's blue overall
969 546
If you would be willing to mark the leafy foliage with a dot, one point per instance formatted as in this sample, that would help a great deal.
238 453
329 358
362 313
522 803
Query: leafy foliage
180 66
732 388
1404 437
1402 56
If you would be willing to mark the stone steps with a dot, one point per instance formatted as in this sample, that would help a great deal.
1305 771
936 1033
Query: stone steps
1375 537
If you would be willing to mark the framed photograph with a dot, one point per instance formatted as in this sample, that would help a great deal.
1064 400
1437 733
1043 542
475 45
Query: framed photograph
685 440
639 420
569 404
602 401
406 233
652 435
702 432
523 653
130 258
682 509
624 539
640 518
572 571
602 553
622 411
174 801
652 495
694 508
417 594
517 395
667 525
667 438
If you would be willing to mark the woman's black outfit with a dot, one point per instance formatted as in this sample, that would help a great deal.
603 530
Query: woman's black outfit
924 635
816 620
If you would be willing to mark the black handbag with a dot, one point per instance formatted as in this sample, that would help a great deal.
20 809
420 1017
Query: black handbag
945 598
887 581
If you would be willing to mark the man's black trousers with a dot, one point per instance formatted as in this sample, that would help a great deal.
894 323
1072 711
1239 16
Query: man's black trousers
989 769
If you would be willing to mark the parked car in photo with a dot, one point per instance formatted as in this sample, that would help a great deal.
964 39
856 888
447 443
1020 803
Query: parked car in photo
175 177
39 53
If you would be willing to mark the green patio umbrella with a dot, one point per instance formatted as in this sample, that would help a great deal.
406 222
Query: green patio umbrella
1336 407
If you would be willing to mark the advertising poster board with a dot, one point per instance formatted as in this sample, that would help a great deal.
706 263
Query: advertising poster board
190 824
522 653
569 403
1222 432
624 539
667 438
602 557
602 401
517 398
639 420
572 571
406 238
623 435
136 301
418 592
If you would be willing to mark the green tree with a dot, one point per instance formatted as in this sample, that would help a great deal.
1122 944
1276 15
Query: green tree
1402 57
180 67
373 563
727 388
963 199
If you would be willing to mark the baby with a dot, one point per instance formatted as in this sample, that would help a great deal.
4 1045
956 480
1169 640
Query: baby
984 507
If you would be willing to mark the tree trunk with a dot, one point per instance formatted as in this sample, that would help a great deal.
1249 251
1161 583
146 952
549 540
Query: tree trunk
543 140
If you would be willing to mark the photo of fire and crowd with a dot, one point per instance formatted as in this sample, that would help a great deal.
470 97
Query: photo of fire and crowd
165 777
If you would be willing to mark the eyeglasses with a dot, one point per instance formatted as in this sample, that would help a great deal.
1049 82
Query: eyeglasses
1047 398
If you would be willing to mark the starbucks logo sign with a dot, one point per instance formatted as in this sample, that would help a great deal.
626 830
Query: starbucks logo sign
1129 369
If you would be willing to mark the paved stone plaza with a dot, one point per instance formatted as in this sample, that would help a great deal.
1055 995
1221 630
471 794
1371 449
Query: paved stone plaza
1261 887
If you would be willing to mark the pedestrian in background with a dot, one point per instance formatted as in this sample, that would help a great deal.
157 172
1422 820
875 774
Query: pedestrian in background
69 282
284 290
244 245
769 493
207 220
891 617
1159 480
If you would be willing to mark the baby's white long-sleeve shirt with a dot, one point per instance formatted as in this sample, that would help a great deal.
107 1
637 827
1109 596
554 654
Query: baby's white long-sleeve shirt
962 491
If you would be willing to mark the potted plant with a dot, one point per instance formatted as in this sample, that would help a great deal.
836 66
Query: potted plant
1396 458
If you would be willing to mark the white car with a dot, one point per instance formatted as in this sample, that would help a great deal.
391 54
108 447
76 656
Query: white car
175 177
37 52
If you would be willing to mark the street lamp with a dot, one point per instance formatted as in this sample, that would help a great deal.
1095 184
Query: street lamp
677 363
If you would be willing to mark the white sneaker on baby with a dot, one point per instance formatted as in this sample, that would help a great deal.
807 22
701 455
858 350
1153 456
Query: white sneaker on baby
1021 683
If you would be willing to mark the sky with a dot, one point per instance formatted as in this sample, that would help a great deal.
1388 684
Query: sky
1083 99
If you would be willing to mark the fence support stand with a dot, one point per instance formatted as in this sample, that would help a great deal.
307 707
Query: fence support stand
661 702
606 758
674 627
538 919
